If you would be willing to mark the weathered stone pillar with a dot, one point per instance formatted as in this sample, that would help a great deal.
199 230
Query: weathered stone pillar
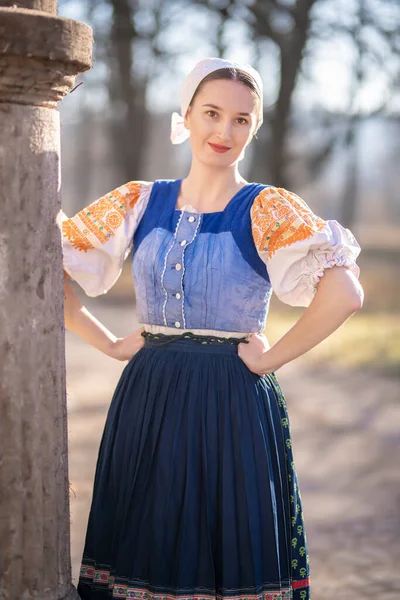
40 55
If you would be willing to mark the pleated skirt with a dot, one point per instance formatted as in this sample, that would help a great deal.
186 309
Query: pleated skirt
196 494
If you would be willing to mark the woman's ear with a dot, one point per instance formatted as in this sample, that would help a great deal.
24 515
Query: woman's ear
186 119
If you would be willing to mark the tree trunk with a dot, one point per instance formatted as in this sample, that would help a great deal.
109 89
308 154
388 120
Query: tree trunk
350 192
128 97
291 54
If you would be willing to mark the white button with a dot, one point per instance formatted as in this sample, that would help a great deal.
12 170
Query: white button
177 295
183 242
178 267
177 324
191 219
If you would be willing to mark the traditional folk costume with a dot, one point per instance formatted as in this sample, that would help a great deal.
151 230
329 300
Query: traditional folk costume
196 494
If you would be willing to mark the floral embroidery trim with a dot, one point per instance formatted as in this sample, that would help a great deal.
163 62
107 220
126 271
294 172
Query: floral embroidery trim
280 218
99 221
103 576
125 592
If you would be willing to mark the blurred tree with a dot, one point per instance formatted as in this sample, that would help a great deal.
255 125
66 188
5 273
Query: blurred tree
136 27
287 25
223 11
128 46
82 149
371 23
127 91
369 31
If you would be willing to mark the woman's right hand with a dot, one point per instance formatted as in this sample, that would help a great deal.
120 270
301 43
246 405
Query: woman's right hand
253 353
126 348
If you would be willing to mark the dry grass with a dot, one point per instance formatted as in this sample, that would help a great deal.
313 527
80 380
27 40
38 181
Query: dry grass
366 340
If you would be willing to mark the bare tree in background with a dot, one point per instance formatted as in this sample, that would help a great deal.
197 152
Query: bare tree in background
127 83
223 11
288 26
368 18
350 192
127 91
368 30
370 26
128 45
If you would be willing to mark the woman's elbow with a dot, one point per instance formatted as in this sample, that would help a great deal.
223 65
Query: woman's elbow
358 299
355 296
342 284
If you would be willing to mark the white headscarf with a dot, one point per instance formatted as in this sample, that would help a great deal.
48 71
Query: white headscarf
179 133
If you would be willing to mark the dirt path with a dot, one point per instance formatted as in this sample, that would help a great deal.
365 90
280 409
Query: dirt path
346 433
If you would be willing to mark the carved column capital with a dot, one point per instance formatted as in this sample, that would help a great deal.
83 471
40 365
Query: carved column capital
40 54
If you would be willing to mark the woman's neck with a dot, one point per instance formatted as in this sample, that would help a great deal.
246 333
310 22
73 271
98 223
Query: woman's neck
209 189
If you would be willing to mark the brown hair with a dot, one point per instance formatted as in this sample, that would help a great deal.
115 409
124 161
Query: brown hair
234 75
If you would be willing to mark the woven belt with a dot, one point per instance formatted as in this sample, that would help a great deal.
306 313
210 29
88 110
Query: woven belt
203 339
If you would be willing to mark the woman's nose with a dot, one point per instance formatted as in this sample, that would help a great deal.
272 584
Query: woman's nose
224 130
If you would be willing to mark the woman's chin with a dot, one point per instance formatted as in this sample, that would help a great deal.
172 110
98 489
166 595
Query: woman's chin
218 161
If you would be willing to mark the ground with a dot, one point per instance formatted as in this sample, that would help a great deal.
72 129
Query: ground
346 429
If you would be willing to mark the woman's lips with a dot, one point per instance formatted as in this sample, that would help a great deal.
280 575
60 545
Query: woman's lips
219 149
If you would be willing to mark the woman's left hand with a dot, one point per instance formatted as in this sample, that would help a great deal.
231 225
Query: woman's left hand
254 353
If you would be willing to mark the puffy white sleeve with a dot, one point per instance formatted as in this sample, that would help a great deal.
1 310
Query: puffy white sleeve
97 239
297 246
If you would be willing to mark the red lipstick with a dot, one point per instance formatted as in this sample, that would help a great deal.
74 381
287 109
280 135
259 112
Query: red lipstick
219 149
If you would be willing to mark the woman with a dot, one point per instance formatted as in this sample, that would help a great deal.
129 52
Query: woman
195 493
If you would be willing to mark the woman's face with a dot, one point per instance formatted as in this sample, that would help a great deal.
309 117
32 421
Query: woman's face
221 120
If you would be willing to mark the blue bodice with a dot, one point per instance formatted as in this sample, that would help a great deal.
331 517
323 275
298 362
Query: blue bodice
199 270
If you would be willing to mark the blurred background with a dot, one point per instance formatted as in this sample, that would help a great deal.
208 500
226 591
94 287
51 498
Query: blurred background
331 72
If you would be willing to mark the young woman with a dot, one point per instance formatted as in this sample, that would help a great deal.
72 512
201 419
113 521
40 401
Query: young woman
196 493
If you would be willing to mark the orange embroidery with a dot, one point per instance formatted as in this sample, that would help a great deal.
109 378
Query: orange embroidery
78 239
134 193
113 221
102 218
281 218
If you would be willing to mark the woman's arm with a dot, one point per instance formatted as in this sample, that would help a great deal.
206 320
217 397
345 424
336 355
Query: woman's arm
81 322
338 296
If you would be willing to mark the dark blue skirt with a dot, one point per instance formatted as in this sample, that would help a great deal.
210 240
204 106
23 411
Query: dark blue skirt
195 493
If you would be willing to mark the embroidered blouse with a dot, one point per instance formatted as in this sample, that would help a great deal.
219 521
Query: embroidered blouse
205 271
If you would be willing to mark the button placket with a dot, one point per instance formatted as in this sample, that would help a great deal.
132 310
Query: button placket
163 282
185 233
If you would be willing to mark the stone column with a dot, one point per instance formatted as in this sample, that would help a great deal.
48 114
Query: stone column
40 55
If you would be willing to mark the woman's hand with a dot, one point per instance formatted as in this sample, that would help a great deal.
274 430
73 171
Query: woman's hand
125 348
253 354
338 296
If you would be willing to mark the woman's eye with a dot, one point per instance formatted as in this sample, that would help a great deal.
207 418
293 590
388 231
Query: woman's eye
211 113
241 121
